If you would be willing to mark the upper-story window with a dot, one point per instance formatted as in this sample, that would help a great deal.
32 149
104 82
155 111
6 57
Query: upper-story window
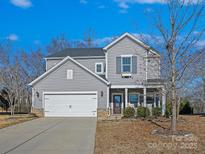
126 66
99 68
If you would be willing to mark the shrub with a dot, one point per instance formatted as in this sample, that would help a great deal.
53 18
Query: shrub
129 112
157 111
168 111
4 104
185 107
143 112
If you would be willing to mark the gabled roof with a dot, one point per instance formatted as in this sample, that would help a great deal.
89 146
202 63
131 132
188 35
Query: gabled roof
61 63
134 39
78 52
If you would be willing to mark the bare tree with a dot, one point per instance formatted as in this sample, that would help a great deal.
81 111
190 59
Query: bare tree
180 33
58 43
33 65
16 71
89 38
199 72
79 44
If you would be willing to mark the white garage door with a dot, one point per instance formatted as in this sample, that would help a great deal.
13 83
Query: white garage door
71 105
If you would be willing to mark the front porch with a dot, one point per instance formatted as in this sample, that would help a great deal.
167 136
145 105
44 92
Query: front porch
150 97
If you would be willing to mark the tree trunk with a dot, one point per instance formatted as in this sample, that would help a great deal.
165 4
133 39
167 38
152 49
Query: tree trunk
174 103
11 109
178 106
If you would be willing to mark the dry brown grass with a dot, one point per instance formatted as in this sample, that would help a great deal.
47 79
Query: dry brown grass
134 136
8 120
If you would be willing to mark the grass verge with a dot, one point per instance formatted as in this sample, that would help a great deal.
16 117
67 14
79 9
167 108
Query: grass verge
134 136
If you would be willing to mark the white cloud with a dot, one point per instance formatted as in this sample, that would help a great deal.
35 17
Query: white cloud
22 3
12 37
200 44
125 4
103 41
144 37
83 1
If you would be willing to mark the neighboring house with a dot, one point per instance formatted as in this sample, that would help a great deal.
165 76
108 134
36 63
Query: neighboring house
198 106
79 82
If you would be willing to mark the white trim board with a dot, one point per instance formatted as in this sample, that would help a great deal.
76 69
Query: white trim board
61 63
106 65
133 38
135 86
102 68
126 56
126 86
69 92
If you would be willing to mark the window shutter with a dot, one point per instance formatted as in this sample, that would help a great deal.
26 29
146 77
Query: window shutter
134 64
118 65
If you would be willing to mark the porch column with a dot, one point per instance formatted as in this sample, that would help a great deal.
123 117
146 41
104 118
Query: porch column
145 97
108 100
159 101
163 101
112 112
155 100
126 97
33 95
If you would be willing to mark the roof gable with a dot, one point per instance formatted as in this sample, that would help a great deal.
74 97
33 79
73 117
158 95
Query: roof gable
61 63
134 39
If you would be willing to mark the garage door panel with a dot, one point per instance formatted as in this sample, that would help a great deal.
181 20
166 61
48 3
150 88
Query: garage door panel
71 105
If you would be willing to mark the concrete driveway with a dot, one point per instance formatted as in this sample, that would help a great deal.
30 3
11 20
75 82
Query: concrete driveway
49 136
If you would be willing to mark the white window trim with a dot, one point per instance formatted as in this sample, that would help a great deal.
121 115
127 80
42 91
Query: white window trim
125 56
102 68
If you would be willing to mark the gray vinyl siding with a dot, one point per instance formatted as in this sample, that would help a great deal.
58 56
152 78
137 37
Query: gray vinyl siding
87 62
126 46
153 66
134 64
51 62
82 81
90 63
118 65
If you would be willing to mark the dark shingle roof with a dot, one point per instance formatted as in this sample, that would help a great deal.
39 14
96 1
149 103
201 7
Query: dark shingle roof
79 52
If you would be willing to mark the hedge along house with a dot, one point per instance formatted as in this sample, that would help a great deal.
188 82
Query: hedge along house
78 82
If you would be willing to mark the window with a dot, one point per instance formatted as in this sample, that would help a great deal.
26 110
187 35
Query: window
126 64
133 99
69 74
150 99
99 68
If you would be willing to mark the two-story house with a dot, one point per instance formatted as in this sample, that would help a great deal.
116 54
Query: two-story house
78 82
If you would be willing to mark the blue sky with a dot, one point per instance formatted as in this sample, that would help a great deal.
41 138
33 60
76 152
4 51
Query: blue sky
34 22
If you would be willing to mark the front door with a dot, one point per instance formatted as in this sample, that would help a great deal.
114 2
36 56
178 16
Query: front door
117 101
